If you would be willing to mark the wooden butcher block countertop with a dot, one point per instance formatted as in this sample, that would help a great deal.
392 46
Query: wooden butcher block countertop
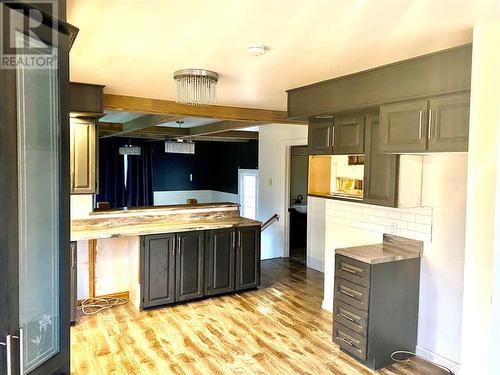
157 220
392 249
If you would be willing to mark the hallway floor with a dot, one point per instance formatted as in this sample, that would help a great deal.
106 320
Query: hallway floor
278 329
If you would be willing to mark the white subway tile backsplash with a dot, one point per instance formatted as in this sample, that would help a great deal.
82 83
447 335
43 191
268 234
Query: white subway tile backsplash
415 223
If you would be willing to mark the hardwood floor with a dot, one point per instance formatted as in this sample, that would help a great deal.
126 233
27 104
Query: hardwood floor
278 329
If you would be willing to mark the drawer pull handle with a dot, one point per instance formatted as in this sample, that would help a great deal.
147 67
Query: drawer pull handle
345 316
343 291
347 341
347 269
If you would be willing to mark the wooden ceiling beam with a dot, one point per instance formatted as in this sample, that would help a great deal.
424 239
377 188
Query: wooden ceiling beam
168 107
221 126
107 129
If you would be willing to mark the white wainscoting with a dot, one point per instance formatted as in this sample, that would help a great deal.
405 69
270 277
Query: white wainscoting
203 196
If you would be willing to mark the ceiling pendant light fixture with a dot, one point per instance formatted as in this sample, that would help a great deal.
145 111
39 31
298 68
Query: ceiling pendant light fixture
196 86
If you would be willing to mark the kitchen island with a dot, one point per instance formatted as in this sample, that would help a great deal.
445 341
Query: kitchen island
177 253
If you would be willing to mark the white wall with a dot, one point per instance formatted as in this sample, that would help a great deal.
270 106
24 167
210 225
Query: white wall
316 233
274 143
81 205
203 196
444 189
481 305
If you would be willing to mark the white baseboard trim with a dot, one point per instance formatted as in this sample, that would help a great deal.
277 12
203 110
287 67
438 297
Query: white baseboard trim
437 359
315 265
327 305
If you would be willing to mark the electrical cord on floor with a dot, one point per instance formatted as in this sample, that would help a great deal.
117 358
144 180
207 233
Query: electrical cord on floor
91 306
408 358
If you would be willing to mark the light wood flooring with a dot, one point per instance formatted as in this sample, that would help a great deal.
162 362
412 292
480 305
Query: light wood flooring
278 329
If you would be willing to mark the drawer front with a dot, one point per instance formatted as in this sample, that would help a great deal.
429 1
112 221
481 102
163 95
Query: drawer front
350 317
349 341
352 294
352 270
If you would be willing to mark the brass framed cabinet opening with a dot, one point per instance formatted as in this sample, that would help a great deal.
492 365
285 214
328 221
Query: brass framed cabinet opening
34 238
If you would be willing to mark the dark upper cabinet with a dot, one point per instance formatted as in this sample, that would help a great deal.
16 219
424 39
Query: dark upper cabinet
381 170
403 126
320 136
86 99
247 257
219 259
437 124
448 128
189 265
348 135
158 268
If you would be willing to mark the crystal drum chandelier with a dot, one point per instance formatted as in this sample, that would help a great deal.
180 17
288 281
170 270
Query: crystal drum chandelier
196 86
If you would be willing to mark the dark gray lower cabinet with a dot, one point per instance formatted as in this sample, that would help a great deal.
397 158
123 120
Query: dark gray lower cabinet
219 259
381 170
375 309
247 258
158 270
189 265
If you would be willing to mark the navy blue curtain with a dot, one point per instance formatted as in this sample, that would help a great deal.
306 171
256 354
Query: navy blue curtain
111 173
139 190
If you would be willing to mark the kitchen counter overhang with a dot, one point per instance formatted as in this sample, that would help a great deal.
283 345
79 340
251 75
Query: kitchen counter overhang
158 220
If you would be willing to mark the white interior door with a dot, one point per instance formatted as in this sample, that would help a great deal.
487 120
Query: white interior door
248 191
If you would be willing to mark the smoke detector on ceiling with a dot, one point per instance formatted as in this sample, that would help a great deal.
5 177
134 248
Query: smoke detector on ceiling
257 50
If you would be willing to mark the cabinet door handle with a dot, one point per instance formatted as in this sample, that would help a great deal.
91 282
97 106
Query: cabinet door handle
429 125
239 239
333 136
173 248
420 124
233 239
7 344
178 245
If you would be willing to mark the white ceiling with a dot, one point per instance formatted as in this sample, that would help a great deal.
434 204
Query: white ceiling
133 47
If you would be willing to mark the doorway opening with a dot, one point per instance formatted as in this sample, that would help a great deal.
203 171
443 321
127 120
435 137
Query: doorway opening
297 209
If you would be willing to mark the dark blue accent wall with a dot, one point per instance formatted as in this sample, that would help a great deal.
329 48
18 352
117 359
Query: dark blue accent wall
214 165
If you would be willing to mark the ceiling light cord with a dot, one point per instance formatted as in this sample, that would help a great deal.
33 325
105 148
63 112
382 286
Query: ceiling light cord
407 359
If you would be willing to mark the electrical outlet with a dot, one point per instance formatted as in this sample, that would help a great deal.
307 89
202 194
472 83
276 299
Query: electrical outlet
394 227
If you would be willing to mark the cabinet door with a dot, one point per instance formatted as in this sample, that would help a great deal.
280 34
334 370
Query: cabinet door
158 270
83 156
220 249
348 135
403 127
189 266
320 133
73 317
247 258
448 127
381 170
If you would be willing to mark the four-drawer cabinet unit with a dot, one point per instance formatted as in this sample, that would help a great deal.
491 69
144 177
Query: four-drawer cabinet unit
375 310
